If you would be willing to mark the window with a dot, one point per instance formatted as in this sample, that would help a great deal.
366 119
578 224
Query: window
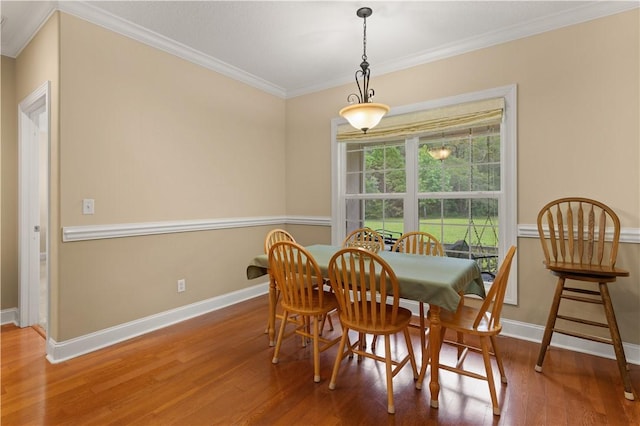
389 181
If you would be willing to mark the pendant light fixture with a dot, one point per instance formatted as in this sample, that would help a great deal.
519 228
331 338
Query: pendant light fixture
364 114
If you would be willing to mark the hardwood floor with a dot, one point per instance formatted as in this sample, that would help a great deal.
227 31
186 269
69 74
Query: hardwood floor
216 369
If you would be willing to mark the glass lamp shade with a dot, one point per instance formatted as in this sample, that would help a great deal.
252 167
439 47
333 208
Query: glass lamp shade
364 116
440 153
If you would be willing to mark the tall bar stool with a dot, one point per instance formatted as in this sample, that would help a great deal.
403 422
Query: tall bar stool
572 233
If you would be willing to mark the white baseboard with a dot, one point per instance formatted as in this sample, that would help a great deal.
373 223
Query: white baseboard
62 351
534 333
9 316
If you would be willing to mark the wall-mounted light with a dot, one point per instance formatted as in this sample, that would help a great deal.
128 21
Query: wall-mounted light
364 114
440 153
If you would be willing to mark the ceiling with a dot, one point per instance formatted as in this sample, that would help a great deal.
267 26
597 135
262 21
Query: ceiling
289 48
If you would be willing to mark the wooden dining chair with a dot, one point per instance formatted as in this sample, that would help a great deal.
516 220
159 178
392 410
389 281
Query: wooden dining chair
296 274
418 242
365 238
579 238
368 239
362 281
274 236
484 324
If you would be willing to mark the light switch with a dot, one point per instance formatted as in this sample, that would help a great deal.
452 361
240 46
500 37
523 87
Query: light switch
88 206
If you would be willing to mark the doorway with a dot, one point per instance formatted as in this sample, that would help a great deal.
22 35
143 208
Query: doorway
33 214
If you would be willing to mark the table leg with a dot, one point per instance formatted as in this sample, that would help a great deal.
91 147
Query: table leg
272 311
434 342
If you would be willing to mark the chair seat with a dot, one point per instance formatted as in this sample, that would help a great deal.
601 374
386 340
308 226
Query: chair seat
403 319
463 319
329 304
604 271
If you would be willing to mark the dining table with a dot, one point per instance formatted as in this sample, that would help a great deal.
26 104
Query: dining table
439 281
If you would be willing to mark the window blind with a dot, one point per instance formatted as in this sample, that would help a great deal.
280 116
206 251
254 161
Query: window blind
443 119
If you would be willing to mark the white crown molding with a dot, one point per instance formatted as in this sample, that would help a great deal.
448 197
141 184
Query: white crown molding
119 230
588 12
88 12
22 37
627 235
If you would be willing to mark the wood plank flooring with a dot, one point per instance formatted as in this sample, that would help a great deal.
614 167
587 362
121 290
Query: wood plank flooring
216 370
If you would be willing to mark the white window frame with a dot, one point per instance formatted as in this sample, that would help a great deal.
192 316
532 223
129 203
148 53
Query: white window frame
508 202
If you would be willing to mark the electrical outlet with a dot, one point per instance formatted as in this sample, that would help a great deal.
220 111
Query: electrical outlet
182 285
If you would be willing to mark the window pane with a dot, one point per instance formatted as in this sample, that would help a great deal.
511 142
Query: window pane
387 215
473 163
355 163
467 228
376 168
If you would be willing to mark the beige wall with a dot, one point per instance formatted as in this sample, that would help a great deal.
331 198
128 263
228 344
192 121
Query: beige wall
578 134
9 187
157 138
152 137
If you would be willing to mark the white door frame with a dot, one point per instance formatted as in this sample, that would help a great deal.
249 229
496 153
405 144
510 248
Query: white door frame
29 204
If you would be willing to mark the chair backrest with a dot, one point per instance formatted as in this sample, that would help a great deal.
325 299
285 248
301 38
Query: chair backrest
577 232
419 243
296 275
274 236
365 238
360 278
495 297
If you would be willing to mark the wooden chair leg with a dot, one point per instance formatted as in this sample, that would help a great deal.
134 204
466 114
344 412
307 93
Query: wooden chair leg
494 343
391 409
423 368
340 356
326 319
484 342
362 344
460 340
316 349
617 341
459 335
412 355
551 323
283 324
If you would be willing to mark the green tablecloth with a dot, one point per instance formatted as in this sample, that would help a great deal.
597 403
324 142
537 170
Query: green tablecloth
430 279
